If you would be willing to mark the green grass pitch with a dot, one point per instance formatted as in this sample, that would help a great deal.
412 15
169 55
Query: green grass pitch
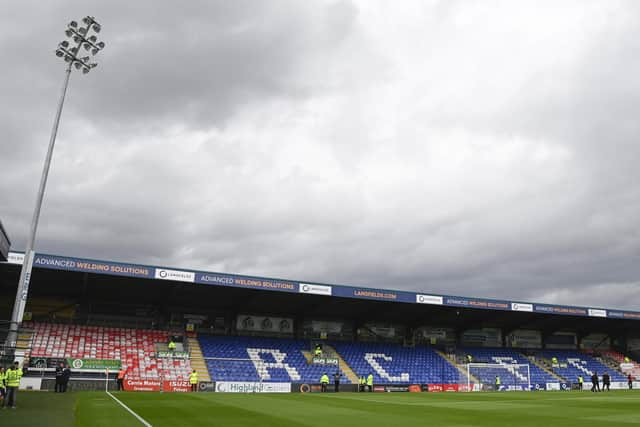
547 409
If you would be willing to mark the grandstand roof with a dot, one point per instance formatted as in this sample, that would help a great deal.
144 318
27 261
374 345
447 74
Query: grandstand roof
415 302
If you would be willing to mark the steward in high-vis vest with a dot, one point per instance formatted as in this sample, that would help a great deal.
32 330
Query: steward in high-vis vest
361 384
318 351
12 381
172 345
554 361
580 382
324 382
3 389
498 382
193 380
370 382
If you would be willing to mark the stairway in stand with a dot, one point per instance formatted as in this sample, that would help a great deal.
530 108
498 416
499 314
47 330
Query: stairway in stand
540 364
342 364
462 368
197 360
23 343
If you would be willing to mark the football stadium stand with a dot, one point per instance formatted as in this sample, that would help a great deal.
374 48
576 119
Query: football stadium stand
508 373
571 364
619 358
392 363
282 360
136 349
115 312
260 360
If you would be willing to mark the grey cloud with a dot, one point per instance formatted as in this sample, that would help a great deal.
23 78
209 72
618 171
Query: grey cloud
329 142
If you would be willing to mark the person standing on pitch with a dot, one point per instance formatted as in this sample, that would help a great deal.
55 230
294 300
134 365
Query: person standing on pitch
66 375
370 382
12 380
498 382
59 377
3 389
595 382
193 380
361 383
630 381
120 378
580 382
324 382
336 381
606 382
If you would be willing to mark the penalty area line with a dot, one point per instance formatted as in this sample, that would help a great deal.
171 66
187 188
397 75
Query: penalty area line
138 417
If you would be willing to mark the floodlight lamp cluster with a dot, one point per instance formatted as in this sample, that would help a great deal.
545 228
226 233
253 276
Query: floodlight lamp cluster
82 37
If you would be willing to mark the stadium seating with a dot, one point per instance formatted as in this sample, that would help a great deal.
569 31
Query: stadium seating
573 363
272 360
392 363
135 348
508 375
620 358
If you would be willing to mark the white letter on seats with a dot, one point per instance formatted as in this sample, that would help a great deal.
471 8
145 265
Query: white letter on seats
371 359
263 367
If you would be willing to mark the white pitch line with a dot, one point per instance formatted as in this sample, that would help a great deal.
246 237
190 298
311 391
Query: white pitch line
142 420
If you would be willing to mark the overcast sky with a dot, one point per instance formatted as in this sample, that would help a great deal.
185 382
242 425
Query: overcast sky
480 148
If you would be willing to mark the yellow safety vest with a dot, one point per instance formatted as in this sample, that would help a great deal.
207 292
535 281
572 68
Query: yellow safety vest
324 379
362 381
193 378
12 377
580 380
498 381
370 380
172 345
2 376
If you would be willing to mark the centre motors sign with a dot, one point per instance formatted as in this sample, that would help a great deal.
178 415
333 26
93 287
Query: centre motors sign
247 387
141 385
181 386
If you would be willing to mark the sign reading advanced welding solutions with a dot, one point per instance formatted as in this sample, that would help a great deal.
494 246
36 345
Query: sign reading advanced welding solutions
54 262
246 282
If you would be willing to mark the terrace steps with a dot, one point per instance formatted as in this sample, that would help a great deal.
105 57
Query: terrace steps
197 360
